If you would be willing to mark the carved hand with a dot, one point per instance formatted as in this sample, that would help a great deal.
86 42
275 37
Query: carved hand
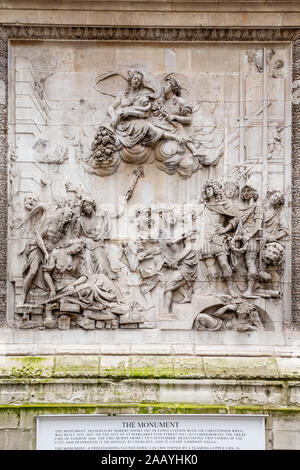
170 117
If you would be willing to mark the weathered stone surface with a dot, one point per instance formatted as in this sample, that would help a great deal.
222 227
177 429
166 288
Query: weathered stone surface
115 366
74 366
21 367
188 367
151 366
240 367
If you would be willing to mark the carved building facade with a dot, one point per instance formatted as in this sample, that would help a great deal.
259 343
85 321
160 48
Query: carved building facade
150 212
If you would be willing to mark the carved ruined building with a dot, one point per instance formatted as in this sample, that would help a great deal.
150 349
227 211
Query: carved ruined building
147 183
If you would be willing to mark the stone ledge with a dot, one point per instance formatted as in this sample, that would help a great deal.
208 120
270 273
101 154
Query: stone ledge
146 366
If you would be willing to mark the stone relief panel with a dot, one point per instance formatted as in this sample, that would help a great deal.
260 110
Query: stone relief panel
150 187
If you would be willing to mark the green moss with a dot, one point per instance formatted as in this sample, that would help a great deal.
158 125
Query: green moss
144 366
27 366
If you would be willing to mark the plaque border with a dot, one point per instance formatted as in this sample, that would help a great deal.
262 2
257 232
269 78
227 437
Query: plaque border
289 35
40 418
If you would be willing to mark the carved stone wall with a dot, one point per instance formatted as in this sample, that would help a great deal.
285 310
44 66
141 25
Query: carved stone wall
153 201
207 132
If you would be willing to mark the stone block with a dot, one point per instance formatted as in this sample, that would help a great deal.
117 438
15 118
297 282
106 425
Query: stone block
30 309
94 315
188 367
76 366
2 439
187 391
86 323
147 325
64 322
151 366
240 367
289 367
286 440
129 326
100 324
131 318
16 439
9 418
115 366
69 307
26 366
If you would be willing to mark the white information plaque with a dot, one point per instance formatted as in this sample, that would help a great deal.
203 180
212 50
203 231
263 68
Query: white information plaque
151 432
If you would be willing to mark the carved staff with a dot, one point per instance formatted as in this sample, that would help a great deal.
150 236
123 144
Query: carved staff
137 174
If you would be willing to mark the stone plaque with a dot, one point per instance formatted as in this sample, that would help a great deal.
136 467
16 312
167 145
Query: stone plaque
150 189
166 432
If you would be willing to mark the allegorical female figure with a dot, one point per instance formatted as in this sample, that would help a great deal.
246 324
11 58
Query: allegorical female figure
174 114
130 112
86 227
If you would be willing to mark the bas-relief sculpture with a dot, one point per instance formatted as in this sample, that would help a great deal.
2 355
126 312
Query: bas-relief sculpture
83 262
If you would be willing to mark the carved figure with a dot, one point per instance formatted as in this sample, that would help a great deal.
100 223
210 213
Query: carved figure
174 115
241 317
52 229
275 233
129 115
247 240
275 145
182 265
218 214
65 266
86 226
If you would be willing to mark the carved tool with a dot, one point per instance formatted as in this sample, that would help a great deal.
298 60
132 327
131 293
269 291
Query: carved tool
137 174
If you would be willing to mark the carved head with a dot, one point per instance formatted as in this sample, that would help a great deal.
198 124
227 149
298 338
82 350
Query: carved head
135 79
30 202
275 197
75 247
87 206
248 192
172 84
65 217
231 190
212 188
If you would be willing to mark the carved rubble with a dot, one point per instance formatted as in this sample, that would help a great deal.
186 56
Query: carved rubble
144 194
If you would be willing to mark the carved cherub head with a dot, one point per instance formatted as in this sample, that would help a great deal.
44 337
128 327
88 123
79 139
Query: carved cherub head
231 190
135 80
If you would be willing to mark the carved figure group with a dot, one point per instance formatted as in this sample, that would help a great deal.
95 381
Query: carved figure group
244 238
142 127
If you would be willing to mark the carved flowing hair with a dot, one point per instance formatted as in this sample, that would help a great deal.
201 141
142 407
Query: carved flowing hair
92 202
131 74
217 188
176 88
276 191
254 192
